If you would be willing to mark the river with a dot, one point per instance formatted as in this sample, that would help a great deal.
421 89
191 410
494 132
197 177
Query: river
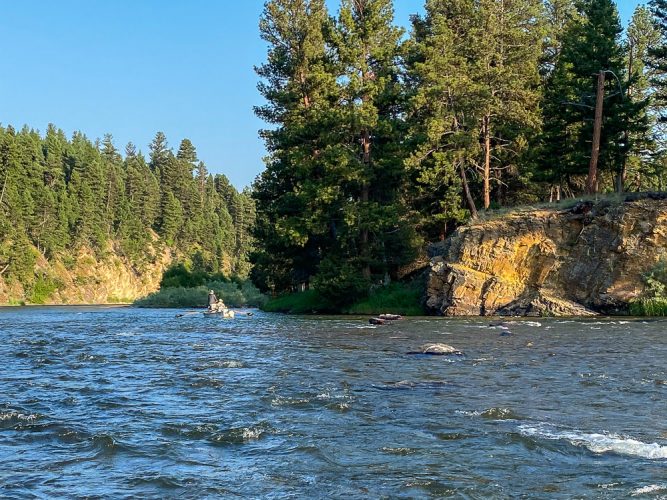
117 402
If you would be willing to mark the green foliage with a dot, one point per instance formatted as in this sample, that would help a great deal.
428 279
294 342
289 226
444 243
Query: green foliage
308 302
176 297
182 286
58 196
396 298
179 276
42 289
655 281
654 299
340 283
232 293
648 307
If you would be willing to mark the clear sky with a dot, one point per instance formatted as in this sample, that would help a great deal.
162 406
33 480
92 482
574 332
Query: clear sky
133 67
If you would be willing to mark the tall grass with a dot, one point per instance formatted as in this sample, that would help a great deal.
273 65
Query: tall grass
648 307
308 302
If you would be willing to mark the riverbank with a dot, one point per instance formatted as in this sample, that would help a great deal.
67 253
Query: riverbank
405 298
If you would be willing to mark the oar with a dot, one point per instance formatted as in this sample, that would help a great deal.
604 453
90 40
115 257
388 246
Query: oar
187 313
241 313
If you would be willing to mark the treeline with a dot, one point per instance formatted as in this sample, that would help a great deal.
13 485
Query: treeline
58 195
381 139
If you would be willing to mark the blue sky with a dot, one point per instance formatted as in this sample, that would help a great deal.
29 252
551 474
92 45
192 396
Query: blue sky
132 68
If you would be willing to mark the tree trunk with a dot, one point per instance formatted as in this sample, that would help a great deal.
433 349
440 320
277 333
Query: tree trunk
592 181
366 145
466 190
486 134
306 98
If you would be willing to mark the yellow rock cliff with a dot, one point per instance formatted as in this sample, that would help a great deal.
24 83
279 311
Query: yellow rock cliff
580 261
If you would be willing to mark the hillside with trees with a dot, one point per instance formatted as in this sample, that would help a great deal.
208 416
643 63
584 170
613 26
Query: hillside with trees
381 140
69 204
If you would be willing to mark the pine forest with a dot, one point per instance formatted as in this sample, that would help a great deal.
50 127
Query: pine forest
380 140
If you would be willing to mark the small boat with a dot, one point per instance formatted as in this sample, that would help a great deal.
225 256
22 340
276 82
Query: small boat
225 313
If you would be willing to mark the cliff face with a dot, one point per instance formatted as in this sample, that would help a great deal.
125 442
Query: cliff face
85 278
584 260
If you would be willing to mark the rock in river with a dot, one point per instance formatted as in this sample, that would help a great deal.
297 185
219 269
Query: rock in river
437 350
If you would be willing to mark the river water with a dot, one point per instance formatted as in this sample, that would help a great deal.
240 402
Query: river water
120 402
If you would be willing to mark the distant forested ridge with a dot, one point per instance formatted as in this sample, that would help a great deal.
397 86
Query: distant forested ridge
60 196
382 140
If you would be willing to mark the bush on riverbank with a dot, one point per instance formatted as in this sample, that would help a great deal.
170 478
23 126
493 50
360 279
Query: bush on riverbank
183 288
233 294
654 301
648 307
308 302
397 298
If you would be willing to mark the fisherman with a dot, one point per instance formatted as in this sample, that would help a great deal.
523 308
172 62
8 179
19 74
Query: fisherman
212 300
220 306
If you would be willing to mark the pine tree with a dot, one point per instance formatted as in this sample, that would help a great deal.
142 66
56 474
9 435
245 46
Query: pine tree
159 153
439 139
591 44
172 218
297 200
639 167
368 47
657 57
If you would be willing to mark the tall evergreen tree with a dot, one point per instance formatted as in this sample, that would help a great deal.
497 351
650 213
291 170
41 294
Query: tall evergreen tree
591 44
297 198
657 57
368 48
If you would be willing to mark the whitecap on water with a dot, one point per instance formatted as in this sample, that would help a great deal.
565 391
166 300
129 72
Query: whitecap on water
648 490
16 419
599 443
531 323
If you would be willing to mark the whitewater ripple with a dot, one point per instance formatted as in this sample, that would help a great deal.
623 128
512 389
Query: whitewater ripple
599 443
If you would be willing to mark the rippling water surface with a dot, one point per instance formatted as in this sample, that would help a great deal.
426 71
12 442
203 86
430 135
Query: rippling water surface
115 402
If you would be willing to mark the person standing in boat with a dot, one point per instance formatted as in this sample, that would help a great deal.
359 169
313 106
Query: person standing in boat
212 300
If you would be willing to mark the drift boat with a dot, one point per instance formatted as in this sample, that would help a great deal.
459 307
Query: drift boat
225 313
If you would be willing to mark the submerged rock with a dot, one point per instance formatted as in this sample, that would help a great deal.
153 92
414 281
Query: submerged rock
437 350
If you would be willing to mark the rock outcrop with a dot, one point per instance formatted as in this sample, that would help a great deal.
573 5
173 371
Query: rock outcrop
87 278
585 260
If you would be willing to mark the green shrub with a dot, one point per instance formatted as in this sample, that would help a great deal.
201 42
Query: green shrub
175 297
179 276
308 302
397 298
656 281
654 299
232 294
42 289
252 294
340 284
648 307
112 299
